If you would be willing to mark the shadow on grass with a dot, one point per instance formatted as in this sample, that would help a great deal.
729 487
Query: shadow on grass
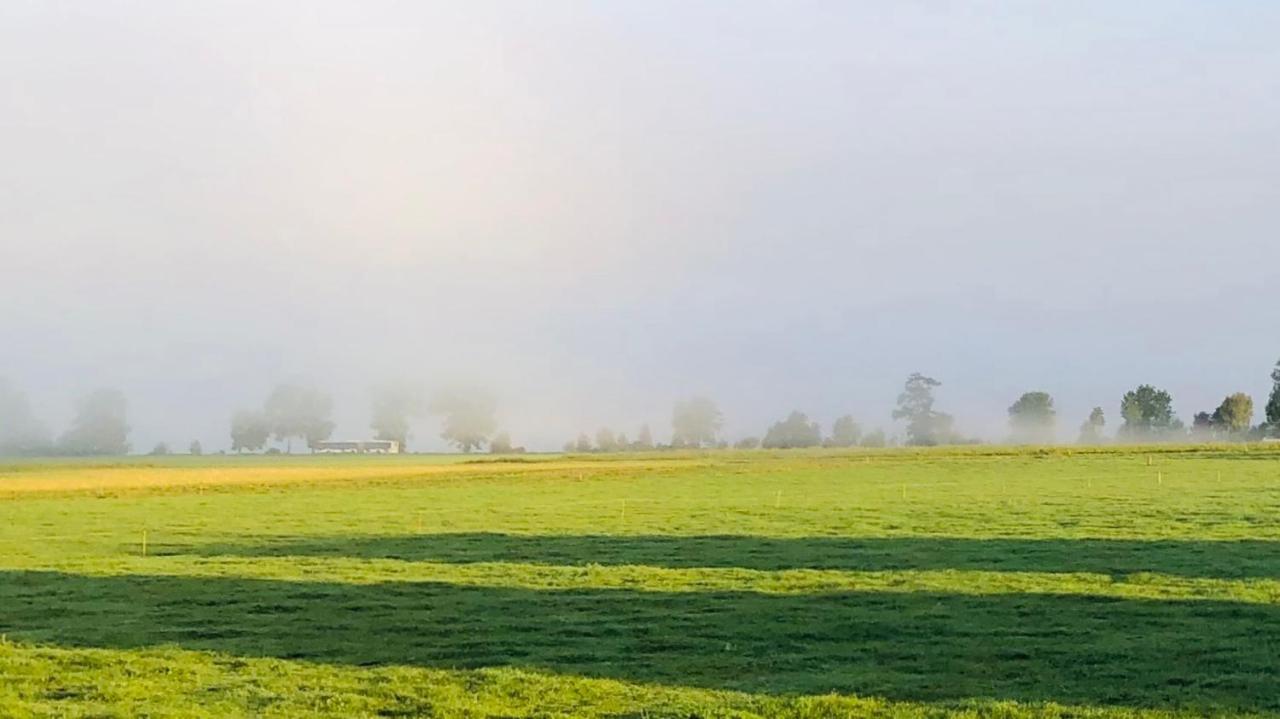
1228 560
922 646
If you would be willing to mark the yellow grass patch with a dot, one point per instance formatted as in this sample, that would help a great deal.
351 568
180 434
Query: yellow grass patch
81 478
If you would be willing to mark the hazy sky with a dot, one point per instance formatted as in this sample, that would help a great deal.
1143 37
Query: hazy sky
594 209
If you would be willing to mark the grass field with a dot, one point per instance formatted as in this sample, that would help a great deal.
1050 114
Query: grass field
976 582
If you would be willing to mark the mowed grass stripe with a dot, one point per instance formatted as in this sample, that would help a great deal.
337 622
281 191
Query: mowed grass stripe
1144 585
96 683
928 469
1017 498
919 646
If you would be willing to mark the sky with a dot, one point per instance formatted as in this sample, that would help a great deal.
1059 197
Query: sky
594 209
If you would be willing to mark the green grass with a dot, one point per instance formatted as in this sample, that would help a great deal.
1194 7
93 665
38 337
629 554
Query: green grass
975 582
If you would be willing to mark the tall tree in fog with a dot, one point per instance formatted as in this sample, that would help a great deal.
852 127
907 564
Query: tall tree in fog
469 417
20 431
1091 430
925 426
1235 415
1148 415
644 440
607 441
394 408
500 444
100 426
793 432
695 423
250 430
296 411
1273 403
844 432
1032 419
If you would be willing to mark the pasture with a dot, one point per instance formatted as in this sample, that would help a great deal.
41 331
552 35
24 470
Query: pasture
979 582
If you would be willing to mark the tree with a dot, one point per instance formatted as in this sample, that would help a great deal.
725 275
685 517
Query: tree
469 417
844 432
296 411
20 431
583 443
101 425
250 430
394 407
500 444
793 432
161 449
1273 403
1091 430
1032 419
695 422
747 443
1204 427
1235 415
1148 414
644 440
195 449
874 438
925 426
606 441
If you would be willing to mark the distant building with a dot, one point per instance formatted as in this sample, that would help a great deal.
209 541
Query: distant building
357 446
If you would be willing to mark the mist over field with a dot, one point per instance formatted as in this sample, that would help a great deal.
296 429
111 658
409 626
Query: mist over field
593 210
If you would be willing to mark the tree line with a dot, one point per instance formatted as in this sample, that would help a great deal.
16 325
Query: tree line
304 413
290 412
1146 413
293 412
100 426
